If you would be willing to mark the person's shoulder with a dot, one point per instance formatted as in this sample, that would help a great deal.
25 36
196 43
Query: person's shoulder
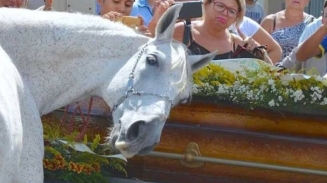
179 30
179 26
270 17
309 18
315 23
268 20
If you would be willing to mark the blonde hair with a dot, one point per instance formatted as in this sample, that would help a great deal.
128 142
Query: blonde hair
242 8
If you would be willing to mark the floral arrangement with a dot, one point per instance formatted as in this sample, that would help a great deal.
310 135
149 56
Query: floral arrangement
264 87
64 162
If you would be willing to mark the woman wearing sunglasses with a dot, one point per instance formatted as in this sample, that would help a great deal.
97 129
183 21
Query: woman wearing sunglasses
211 33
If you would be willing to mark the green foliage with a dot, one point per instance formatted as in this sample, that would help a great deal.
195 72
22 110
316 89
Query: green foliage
63 163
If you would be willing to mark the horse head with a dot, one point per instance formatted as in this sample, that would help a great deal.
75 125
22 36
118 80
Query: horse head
154 80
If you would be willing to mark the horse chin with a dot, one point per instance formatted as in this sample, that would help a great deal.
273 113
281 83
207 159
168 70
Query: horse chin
128 149
123 148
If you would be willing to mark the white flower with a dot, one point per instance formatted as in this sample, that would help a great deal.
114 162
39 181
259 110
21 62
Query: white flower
315 96
223 89
195 88
263 88
249 94
280 98
271 82
271 103
298 95
324 102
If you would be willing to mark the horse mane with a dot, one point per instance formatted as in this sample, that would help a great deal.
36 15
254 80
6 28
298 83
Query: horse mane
185 81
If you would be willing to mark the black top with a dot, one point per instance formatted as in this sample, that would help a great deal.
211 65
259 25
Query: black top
197 49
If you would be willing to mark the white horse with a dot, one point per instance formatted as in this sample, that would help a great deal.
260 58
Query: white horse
59 58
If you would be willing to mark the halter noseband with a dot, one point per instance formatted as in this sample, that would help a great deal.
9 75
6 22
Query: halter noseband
130 87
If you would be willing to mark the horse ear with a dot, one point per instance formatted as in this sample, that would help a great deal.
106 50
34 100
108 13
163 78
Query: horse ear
166 24
199 61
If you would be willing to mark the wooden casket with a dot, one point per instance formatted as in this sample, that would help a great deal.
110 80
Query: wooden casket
236 145
221 142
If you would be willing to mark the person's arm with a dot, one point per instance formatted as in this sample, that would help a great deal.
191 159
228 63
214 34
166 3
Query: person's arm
268 23
274 51
250 44
250 28
313 46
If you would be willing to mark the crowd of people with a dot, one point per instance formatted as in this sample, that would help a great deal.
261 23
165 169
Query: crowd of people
290 39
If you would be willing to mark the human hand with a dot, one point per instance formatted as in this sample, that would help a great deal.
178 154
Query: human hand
113 16
250 44
160 7
142 28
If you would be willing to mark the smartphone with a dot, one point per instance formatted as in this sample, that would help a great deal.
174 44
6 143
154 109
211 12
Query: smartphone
190 9
130 21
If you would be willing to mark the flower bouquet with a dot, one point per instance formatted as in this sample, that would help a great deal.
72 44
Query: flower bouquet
254 84
80 162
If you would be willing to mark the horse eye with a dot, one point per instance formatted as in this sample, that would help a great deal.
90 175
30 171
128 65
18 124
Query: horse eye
152 60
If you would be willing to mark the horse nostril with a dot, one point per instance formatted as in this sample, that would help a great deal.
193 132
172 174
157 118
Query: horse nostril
134 129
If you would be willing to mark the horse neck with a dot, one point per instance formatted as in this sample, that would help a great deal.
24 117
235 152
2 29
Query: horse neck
67 64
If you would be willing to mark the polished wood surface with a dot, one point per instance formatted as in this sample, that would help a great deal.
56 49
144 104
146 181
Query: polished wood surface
263 121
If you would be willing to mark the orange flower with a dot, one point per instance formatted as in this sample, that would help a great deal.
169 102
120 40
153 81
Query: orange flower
96 167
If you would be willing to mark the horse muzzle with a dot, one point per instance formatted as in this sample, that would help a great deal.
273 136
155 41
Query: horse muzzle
139 137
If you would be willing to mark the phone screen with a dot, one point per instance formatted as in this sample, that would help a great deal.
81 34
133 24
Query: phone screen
190 9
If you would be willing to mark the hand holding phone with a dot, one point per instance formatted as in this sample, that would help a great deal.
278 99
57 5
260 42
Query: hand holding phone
130 21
